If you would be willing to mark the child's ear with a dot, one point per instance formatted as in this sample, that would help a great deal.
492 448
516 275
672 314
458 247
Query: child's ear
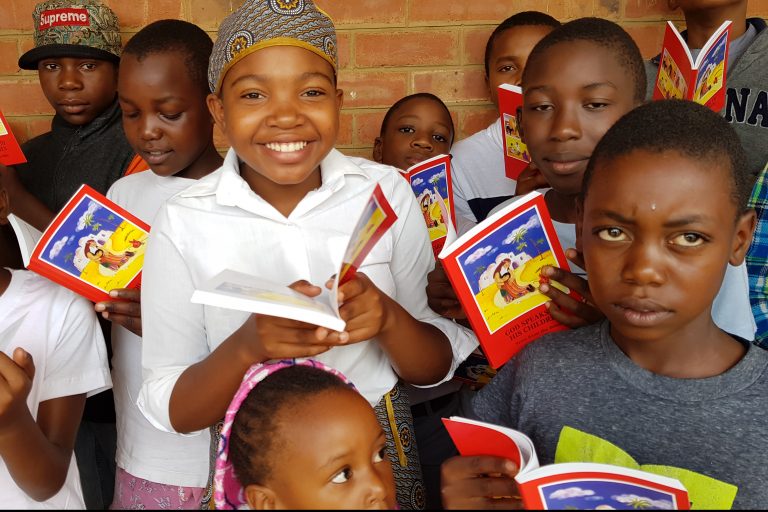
216 108
745 230
519 118
260 498
378 156
340 97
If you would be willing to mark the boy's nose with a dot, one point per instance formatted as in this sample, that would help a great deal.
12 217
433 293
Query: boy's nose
69 79
643 265
565 125
150 130
423 143
285 114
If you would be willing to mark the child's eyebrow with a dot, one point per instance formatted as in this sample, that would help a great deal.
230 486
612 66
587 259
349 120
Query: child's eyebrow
264 78
413 116
596 85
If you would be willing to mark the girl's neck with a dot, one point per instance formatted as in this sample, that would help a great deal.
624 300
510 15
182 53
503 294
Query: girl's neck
562 207
284 198
697 351
702 24
208 161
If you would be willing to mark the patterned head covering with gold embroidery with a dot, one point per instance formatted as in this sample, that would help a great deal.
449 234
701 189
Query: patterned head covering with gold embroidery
73 28
259 24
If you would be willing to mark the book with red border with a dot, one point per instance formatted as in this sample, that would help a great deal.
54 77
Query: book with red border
516 155
431 182
495 270
92 246
10 151
701 80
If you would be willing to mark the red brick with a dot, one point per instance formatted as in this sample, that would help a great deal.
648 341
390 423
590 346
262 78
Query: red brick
372 88
9 56
475 40
355 12
430 11
210 13
17 15
647 37
367 127
655 9
406 48
456 85
23 98
758 8
345 129
163 9
475 119
130 13
345 49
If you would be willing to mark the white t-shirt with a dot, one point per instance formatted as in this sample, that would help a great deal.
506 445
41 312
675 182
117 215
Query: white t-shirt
60 331
143 450
731 310
479 181
220 223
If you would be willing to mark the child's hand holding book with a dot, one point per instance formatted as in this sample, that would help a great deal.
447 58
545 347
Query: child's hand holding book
568 310
125 311
480 482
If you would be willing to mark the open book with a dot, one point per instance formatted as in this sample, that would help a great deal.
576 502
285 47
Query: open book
431 182
702 80
242 292
495 270
516 156
92 246
572 485
26 235
10 151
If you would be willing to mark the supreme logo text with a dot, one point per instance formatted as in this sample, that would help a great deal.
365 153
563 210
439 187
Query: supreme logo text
64 17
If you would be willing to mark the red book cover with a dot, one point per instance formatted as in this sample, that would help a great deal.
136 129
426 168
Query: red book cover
516 156
431 182
10 151
495 270
479 438
701 80
92 246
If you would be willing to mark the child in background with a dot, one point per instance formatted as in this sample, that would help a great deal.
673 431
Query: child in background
162 90
285 446
478 161
657 255
282 207
51 356
414 129
580 79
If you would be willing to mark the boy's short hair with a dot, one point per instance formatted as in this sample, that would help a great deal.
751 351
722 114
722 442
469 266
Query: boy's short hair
685 127
603 33
165 36
73 28
521 19
424 95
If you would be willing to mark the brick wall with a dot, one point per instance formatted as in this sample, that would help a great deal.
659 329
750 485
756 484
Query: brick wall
388 48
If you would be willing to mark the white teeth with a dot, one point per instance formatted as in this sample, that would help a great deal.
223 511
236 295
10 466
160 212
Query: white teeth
286 147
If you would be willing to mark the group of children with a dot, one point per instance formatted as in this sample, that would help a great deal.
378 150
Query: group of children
216 407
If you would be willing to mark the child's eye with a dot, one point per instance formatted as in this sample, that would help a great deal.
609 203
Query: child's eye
596 105
50 66
314 93
507 68
406 129
440 138
688 240
252 96
171 117
342 476
88 66
612 234
541 108
380 455
130 115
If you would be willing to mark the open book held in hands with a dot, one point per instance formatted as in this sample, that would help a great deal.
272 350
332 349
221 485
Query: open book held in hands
92 246
702 80
495 270
235 290
431 182
516 156
572 485
10 151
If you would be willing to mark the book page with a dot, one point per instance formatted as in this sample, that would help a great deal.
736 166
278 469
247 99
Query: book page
710 79
26 235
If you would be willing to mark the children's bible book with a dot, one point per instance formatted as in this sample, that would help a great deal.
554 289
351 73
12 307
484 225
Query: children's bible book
516 156
431 182
92 246
701 80
242 292
495 270
571 485
10 151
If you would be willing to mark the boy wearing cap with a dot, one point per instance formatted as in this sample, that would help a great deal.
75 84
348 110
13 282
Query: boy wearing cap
282 207
76 54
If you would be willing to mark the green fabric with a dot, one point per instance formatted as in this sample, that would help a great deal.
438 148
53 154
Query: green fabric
704 492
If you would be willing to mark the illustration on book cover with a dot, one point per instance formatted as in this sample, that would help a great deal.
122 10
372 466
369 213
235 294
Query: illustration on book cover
605 494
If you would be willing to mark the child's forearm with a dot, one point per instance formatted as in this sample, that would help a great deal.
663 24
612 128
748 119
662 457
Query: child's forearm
419 352
205 389
36 462
23 204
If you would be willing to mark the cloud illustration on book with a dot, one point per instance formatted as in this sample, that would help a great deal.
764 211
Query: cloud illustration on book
571 492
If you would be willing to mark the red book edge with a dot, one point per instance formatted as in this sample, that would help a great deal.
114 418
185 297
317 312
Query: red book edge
471 440
348 270
10 150
497 346
45 269
509 102
532 499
